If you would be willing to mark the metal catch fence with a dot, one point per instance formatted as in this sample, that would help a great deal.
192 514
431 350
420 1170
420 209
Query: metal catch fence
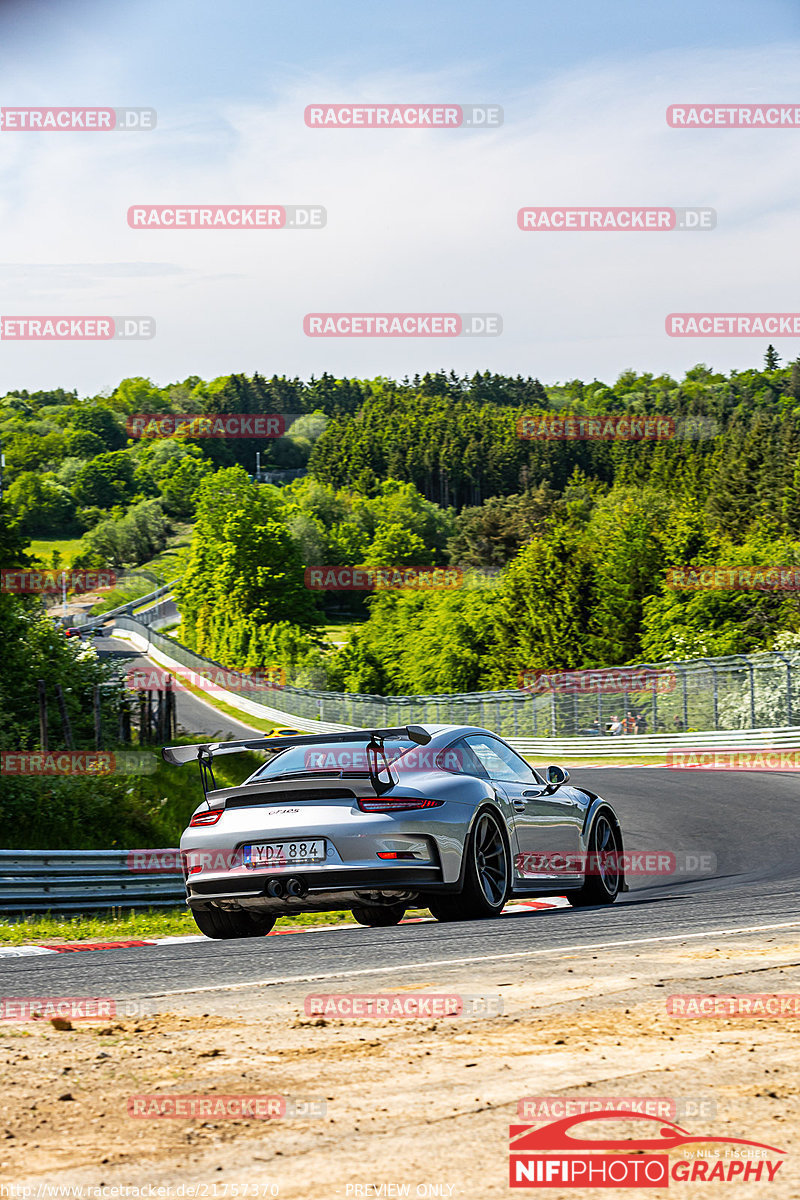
738 692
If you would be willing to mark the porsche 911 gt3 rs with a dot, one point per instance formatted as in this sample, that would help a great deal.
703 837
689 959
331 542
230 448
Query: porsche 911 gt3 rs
446 817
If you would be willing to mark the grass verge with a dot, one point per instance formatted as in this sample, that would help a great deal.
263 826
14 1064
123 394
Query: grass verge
123 925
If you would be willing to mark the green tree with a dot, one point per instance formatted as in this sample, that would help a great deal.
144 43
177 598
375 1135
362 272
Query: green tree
106 480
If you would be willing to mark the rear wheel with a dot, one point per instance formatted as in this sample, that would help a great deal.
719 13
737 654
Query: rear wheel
379 914
603 884
217 923
487 877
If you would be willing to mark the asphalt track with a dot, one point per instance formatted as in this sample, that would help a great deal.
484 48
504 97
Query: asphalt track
194 715
746 820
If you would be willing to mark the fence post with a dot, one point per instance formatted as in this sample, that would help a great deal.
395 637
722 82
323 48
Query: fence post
144 718
41 695
62 708
788 686
788 693
125 721
716 696
98 730
685 701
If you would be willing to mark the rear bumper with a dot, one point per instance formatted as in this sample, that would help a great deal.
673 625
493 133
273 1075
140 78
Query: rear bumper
323 890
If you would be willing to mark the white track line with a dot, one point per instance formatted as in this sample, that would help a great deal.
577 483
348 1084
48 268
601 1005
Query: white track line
515 906
23 951
447 962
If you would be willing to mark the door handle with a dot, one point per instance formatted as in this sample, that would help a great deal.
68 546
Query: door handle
532 793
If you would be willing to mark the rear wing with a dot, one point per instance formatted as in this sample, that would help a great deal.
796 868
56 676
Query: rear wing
203 753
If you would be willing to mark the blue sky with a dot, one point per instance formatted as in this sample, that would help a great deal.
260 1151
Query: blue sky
417 221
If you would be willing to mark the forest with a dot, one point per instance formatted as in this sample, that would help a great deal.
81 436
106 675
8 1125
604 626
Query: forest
567 544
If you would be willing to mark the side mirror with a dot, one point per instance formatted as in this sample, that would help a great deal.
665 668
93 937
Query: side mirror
555 776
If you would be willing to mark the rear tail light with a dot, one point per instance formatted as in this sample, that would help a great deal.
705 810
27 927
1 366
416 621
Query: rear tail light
392 806
406 855
208 816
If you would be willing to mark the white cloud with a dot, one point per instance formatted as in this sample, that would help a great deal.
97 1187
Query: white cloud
422 221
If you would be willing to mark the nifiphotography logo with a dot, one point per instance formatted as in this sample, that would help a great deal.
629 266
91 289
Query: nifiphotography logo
552 1156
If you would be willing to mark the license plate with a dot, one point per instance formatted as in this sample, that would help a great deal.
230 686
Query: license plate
284 854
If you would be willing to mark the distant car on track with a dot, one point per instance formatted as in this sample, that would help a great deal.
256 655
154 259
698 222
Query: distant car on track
447 817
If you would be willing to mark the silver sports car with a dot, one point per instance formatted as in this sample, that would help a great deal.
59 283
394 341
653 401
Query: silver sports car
446 817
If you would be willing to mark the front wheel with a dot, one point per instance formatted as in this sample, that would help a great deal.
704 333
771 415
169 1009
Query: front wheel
603 880
217 923
379 914
487 878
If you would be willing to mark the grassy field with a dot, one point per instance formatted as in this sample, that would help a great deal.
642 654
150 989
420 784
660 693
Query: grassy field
171 561
44 549
338 632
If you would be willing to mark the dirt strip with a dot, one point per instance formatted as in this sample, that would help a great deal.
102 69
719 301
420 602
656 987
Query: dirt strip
416 1107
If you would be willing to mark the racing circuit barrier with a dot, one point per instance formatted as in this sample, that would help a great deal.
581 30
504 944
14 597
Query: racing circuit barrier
741 700
77 881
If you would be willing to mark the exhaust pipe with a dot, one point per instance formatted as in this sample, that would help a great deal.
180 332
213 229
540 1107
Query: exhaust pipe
296 888
275 888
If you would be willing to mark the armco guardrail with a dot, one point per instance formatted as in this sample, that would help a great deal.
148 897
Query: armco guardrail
74 881
634 744
179 660
128 607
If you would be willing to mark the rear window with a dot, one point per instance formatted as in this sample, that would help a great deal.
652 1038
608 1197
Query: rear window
350 757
